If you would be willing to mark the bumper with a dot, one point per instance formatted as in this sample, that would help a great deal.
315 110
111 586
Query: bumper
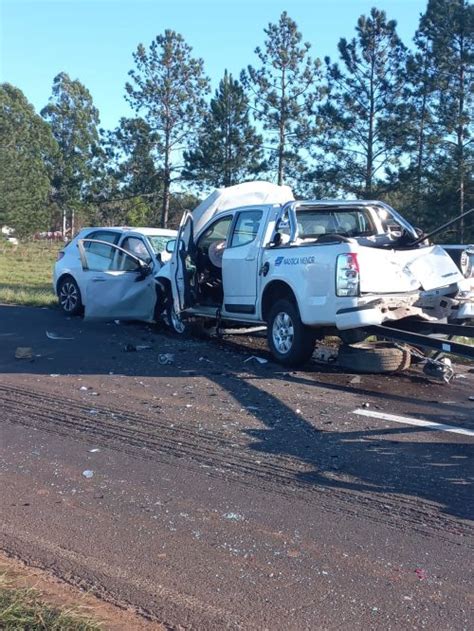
427 306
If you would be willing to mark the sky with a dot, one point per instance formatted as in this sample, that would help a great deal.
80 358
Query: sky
93 40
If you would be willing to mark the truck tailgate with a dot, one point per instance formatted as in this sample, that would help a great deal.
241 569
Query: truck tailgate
394 271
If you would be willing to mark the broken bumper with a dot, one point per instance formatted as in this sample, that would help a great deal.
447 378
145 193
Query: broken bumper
430 306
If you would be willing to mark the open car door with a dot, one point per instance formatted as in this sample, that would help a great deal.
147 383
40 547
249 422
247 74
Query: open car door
183 265
117 285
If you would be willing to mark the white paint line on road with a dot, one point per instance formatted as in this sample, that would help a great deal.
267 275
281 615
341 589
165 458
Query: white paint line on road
406 420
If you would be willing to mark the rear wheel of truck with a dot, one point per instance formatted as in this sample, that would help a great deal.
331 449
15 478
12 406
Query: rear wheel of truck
290 341
373 357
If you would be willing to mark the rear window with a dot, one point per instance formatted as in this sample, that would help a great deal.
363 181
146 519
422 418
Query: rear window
314 223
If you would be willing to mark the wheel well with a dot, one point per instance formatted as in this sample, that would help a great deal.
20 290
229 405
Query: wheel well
274 291
60 280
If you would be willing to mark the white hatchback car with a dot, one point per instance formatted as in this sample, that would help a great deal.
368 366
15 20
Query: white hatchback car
69 277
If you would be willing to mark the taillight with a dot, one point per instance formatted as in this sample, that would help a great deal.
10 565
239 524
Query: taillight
60 255
347 275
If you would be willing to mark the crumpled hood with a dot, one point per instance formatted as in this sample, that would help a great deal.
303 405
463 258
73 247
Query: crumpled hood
394 271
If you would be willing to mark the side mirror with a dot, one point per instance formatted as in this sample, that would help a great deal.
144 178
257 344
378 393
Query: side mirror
170 245
144 271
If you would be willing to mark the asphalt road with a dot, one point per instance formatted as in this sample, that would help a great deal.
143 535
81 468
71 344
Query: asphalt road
229 494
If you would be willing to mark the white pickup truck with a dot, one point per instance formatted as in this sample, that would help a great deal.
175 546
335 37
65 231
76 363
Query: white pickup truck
251 254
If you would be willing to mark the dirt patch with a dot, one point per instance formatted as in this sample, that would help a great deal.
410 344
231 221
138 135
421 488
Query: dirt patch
60 594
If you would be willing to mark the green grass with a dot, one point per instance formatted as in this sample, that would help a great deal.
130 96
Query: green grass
24 609
26 273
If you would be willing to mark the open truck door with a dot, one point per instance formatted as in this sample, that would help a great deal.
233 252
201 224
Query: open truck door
118 284
183 265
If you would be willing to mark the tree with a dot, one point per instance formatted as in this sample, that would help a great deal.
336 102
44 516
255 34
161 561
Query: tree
228 149
27 149
128 187
168 86
363 132
73 120
284 89
448 28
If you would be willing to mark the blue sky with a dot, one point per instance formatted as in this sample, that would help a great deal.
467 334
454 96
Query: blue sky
93 40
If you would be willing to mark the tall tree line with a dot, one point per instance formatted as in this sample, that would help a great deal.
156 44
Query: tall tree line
382 120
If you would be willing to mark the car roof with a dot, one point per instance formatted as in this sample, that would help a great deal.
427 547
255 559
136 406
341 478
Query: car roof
165 232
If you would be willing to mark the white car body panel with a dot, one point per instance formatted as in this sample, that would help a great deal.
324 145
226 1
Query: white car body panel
70 264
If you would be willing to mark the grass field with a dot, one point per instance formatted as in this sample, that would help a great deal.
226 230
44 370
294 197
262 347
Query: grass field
26 273
24 609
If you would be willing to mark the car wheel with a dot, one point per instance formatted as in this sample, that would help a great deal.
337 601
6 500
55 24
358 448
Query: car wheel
290 341
69 296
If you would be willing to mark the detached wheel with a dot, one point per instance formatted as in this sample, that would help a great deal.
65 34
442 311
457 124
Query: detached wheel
69 296
290 341
373 357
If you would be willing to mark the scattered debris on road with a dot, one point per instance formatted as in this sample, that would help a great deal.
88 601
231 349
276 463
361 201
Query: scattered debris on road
88 474
166 359
24 352
54 336
260 360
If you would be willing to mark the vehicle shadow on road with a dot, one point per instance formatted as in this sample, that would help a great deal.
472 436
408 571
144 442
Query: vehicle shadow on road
325 450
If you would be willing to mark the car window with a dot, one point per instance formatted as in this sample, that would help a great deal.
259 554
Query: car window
314 223
136 246
246 227
212 242
103 235
99 256
216 232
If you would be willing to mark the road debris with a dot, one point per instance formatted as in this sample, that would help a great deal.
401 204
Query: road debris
422 574
129 348
24 352
88 474
83 388
260 360
355 380
55 336
471 398
94 451
166 359
233 516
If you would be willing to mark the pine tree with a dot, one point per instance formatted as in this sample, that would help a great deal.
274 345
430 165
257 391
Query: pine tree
168 86
363 131
448 27
228 149
27 149
73 120
284 89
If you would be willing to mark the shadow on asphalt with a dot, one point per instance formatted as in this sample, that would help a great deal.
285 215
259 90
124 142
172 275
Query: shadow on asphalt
377 460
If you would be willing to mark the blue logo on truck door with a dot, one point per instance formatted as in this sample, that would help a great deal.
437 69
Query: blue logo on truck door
294 260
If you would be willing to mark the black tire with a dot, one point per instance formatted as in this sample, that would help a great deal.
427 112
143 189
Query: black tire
373 357
175 323
290 341
69 296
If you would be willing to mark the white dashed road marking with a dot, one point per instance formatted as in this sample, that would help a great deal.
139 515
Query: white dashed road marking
406 420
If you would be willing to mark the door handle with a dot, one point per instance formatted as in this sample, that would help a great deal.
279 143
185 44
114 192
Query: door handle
98 280
250 257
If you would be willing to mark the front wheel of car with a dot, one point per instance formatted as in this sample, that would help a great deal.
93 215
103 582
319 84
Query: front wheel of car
174 320
69 296
290 341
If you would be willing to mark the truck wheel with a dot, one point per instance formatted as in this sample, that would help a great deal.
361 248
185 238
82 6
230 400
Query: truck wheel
290 341
174 321
373 357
